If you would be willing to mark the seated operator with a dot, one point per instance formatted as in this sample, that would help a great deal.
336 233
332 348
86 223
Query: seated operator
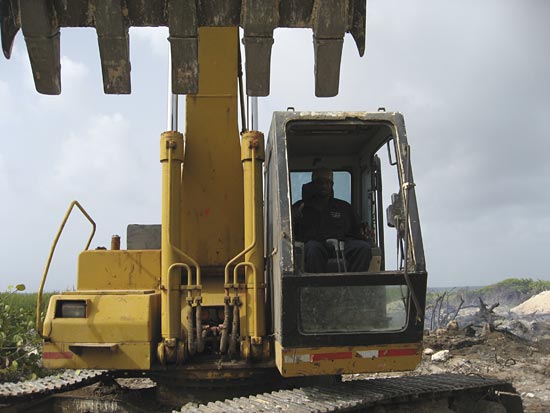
319 216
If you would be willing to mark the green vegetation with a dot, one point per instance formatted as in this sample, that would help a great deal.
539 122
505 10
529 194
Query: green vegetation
20 352
511 291
526 286
442 305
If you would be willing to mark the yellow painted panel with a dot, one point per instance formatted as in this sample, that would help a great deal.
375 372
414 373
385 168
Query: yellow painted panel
119 270
347 360
111 318
212 187
125 356
212 292
218 60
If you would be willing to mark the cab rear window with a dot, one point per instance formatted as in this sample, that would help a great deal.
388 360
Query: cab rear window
342 184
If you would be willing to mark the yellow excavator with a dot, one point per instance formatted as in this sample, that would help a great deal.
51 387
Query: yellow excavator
219 289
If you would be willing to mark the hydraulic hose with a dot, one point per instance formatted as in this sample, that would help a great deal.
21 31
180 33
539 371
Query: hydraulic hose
234 328
190 326
225 326
198 326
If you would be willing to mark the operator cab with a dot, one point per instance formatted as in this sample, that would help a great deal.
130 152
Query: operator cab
339 307
336 218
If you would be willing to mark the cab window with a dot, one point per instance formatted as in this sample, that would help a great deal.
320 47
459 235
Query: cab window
342 184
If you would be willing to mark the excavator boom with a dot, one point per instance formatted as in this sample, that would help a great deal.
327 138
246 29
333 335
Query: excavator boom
41 21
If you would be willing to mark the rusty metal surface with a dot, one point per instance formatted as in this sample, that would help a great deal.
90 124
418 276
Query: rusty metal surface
357 395
68 380
41 20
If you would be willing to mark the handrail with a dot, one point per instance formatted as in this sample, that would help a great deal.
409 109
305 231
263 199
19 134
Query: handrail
193 262
50 256
407 186
189 275
254 291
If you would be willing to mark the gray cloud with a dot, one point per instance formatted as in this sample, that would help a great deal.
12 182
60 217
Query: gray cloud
470 78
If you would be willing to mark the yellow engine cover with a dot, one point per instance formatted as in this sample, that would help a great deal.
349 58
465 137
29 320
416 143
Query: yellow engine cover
120 330
119 270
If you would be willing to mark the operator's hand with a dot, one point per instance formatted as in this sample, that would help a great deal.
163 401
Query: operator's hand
297 211
366 232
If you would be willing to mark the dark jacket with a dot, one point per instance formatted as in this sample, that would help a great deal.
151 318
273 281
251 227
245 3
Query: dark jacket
336 220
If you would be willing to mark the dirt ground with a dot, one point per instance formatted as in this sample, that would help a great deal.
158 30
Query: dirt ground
502 355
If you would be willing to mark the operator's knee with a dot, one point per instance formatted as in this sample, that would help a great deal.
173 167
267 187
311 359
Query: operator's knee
359 254
316 256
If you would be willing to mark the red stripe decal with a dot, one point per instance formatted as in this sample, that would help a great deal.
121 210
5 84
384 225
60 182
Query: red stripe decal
57 355
397 352
331 356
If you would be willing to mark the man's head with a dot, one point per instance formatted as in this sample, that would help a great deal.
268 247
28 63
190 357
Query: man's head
323 180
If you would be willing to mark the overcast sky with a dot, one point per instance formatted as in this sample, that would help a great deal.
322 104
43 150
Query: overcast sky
470 77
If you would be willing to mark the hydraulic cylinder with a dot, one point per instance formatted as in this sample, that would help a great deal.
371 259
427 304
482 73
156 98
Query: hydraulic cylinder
171 158
252 157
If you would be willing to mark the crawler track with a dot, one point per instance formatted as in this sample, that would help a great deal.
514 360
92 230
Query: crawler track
68 380
349 396
362 394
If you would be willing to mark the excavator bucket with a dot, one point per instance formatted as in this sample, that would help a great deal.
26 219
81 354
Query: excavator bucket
41 20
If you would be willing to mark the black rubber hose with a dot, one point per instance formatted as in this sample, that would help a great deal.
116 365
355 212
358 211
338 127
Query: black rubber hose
198 327
190 335
234 329
225 326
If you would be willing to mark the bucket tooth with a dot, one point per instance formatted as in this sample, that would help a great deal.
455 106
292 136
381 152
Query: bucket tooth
330 20
184 46
327 56
41 32
42 19
258 64
359 25
114 48
259 19
8 27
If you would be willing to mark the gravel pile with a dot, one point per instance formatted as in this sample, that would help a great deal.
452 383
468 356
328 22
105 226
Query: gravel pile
538 304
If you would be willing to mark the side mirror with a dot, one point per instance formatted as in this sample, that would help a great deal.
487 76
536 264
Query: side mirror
395 213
